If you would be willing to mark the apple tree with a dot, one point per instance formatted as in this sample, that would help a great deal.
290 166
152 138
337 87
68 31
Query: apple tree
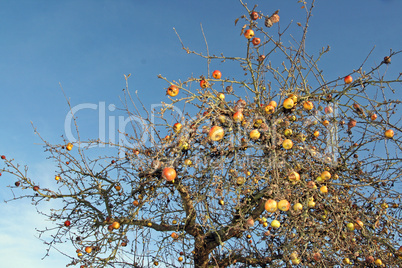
280 167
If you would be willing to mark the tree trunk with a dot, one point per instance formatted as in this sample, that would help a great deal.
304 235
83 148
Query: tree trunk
202 251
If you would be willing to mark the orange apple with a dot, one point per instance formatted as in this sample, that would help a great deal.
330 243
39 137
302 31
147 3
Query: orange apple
373 117
238 116
308 105
389 133
273 103
249 33
284 205
348 79
352 123
269 109
217 74
316 133
324 189
172 91
288 103
216 133
57 178
274 18
69 146
378 262
115 225
359 224
169 174
325 175
88 249
255 134
271 205
287 144
177 127
325 123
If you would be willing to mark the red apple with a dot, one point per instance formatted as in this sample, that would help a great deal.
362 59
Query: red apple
254 15
217 74
67 223
256 41
348 79
3 157
204 83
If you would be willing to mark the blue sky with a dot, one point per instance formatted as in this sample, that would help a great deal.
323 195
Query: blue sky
87 46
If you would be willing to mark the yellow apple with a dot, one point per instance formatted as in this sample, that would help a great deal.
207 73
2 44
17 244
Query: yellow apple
255 134
293 97
346 261
288 103
288 132
350 226
275 224
287 144
294 176
249 33
269 109
297 207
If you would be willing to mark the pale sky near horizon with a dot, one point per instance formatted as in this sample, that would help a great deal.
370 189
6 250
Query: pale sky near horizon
87 46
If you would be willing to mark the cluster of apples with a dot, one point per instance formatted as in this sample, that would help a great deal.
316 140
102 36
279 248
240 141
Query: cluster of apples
269 21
